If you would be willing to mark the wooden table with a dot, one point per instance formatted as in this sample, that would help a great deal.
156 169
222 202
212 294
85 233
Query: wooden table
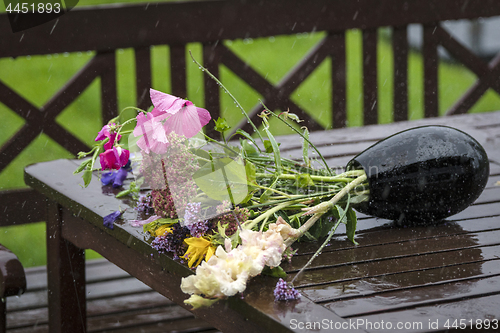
397 279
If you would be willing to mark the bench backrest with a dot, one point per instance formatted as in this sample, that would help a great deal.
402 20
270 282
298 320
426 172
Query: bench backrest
108 28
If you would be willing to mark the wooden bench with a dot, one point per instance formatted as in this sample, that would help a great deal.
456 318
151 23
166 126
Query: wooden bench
209 23
12 282
116 302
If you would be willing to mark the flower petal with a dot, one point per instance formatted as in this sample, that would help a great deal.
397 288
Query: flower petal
166 102
108 220
188 121
120 176
108 177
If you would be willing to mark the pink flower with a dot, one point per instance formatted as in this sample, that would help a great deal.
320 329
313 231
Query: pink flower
153 134
185 118
114 158
104 133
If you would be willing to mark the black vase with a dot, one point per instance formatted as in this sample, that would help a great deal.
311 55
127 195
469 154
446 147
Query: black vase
423 174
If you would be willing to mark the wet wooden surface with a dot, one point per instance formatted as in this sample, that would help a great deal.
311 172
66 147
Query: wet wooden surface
421 277
116 302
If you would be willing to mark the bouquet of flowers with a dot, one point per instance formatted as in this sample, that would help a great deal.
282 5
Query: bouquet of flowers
232 209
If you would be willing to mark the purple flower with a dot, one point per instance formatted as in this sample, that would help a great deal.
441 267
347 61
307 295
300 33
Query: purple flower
284 292
111 218
172 241
145 204
198 229
116 177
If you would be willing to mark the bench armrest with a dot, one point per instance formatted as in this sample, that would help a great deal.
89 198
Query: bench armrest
12 276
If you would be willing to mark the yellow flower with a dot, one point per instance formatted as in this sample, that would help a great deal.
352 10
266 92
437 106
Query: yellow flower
163 230
197 249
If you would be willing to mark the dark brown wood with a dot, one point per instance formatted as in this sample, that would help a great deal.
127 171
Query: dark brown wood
370 91
400 55
211 60
479 88
430 58
109 99
22 206
179 23
66 278
115 301
143 76
12 281
339 90
178 78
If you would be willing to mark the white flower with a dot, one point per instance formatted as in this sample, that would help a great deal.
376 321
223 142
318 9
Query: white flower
226 273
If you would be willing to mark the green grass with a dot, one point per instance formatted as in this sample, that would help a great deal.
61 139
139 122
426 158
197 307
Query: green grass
37 78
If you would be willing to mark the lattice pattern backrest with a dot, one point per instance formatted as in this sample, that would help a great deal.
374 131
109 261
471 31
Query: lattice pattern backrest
212 21
43 120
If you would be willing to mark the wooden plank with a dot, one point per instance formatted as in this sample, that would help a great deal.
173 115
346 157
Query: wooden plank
430 56
449 271
22 206
471 310
163 23
115 301
427 296
477 90
143 76
178 77
212 55
332 266
400 72
65 276
393 234
470 123
370 90
338 75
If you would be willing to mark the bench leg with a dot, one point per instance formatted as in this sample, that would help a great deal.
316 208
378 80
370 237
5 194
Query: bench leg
65 278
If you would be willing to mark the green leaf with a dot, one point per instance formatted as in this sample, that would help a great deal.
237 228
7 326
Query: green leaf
251 172
274 272
223 179
267 193
249 148
87 177
158 223
221 125
247 136
276 150
304 180
268 146
82 166
351 225
305 148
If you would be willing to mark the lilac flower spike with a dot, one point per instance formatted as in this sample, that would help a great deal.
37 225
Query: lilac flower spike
284 292
111 218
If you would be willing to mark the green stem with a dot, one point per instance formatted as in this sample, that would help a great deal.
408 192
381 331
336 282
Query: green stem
303 137
324 206
273 190
256 130
252 223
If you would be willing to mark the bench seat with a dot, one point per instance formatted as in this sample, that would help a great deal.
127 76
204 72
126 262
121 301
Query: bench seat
115 302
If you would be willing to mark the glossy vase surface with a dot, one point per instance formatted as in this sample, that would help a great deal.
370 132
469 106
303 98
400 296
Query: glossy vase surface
423 174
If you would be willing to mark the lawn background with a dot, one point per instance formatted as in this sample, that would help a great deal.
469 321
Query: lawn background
37 78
